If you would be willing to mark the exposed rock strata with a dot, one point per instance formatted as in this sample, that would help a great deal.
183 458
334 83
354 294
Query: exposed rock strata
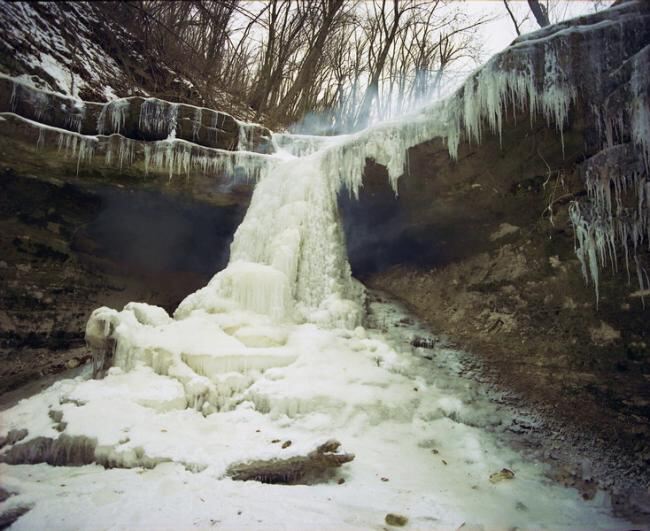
137 118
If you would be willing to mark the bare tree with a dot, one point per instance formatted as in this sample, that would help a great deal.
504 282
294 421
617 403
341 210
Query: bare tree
540 11
288 58
383 30
295 99
512 17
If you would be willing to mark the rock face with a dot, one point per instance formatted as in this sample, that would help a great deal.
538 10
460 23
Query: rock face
143 143
103 203
75 49
136 198
485 247
69 248
63 47
136 118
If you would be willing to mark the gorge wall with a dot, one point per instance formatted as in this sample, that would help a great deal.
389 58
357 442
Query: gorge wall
104 203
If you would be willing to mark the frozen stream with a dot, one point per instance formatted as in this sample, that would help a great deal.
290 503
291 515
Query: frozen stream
281 352
404 411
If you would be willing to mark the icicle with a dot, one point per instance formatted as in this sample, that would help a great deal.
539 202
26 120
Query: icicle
159 117
116 110
41 138
12 100
246 136
75 115
172 120
196 125
153 117
126 151
640 104
39 101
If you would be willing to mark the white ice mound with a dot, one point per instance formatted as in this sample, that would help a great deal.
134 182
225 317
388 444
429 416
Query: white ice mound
143 387
288 266
195 351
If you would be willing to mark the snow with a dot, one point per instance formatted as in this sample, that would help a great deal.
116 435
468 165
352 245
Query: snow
49 51
410 420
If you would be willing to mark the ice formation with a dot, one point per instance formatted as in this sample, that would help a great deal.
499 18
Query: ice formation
179 157
617 180
76 146
299 145
172 156
246 140
115 111
188 399
158 116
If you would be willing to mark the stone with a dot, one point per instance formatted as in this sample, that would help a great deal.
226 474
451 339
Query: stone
396 520
604 335
504 230
503 474
72 363
314 467
12 437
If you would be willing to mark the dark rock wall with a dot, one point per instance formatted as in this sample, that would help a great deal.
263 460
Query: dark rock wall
68 249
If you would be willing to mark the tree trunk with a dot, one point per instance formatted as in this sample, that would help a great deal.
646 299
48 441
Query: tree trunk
541 15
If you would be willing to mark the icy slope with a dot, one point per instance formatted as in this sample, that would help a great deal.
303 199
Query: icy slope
56 42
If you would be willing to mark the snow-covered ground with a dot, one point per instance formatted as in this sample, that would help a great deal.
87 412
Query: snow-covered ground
425 440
